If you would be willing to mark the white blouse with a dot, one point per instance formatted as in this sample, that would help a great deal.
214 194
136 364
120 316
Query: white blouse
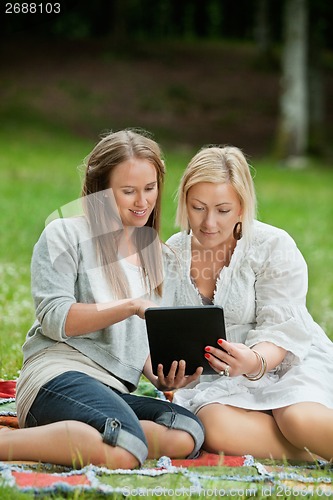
263 294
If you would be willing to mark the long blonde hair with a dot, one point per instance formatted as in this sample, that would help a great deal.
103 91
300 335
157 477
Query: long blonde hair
113 149
215 164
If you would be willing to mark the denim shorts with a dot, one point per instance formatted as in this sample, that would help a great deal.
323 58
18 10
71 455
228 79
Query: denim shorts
77 396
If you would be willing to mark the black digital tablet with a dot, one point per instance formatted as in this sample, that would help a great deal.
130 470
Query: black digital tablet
176 333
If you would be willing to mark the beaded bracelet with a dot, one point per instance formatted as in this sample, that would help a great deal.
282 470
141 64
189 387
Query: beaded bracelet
262 370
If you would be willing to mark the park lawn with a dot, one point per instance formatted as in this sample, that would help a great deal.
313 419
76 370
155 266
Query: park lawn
41 170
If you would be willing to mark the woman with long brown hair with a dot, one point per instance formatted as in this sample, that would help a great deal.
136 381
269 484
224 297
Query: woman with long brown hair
93 276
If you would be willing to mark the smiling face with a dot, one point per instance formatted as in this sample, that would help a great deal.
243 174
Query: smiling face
134 185
213 210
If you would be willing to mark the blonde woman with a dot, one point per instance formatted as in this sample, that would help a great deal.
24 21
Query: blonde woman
93 276
272 394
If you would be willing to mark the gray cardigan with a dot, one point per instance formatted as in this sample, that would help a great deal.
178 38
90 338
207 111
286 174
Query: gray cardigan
65 271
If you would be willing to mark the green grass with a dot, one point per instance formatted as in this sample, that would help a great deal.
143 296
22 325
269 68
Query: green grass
300 201
40 171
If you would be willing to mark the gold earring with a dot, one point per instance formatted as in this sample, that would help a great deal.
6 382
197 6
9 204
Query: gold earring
238 231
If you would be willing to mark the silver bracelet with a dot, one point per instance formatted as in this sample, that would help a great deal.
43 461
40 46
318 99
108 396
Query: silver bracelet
262 370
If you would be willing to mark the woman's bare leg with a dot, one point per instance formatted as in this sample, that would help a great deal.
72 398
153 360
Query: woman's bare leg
162 441
235 431
308 425
70 443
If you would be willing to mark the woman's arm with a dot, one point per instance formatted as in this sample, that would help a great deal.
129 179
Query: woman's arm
88 318
241 359
59 269
272 353
280 291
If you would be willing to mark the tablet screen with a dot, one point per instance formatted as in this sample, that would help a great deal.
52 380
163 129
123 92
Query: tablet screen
176 333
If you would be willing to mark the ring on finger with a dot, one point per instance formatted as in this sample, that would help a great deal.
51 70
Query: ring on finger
221 373
226 371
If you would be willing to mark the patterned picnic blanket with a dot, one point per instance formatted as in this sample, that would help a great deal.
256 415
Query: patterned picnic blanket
208 475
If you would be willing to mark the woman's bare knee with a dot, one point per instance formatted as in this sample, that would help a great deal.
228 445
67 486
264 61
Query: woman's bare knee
115 458
88 447
178 444
212 417
293 421
236 431
164 441
305 425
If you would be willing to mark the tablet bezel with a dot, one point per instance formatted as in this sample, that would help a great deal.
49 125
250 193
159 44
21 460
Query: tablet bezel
166 330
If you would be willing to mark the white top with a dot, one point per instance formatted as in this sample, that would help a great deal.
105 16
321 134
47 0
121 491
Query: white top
263 294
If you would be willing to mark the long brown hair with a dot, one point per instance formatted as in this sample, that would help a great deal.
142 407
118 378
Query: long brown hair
105 223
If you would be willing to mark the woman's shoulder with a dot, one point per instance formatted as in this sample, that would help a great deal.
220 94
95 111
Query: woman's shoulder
62 234
61 237
273 244
69 228
266 234
177 240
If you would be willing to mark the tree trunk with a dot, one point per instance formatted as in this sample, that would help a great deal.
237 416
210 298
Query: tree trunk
262 33
292 138
316 84
120 32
